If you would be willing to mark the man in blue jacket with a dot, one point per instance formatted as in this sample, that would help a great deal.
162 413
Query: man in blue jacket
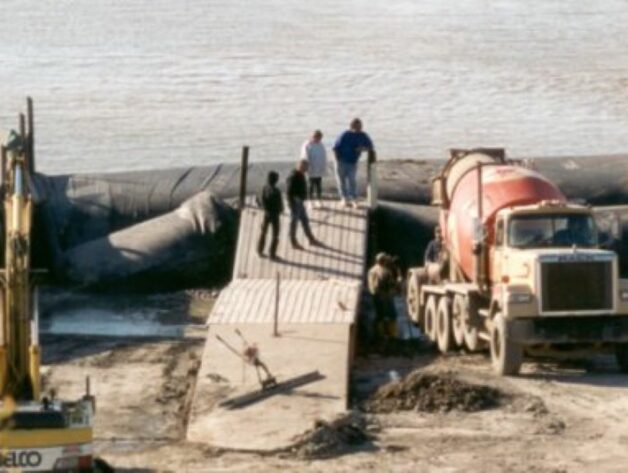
347 150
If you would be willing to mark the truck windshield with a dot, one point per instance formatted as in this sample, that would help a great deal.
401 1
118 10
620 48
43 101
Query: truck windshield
555 231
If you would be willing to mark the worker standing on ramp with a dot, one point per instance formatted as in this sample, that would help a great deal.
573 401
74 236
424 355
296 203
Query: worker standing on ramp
314 152
297 194
347 150
271 202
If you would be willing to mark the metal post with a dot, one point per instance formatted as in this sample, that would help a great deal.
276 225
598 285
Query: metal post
480 195
22 121
244 167
23 139
480 252
30 142
276 314
3 163
371 190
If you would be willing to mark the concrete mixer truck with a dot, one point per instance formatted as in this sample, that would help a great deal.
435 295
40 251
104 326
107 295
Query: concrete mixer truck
521 269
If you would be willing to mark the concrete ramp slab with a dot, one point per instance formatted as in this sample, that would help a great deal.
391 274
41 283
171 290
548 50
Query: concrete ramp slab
314 295
274 422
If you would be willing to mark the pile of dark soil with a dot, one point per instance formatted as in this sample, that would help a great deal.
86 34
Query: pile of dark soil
432 393
331 439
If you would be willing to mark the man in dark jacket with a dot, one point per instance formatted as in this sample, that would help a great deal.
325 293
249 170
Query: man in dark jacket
272 204
297 193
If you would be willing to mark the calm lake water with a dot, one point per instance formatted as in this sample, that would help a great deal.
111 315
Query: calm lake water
129 84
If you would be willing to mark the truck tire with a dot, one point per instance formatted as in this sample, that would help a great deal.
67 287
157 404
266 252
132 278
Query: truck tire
412 299
430 318
444 334
621 355
459 309
471 337
506 356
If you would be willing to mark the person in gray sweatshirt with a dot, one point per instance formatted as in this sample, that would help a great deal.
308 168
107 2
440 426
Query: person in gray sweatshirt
313 151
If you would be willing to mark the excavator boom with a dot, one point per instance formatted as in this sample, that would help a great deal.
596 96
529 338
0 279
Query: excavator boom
37 432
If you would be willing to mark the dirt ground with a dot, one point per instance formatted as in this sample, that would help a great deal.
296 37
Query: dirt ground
555 417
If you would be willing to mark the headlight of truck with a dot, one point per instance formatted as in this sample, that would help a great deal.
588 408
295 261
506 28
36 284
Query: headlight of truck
519 298
623 294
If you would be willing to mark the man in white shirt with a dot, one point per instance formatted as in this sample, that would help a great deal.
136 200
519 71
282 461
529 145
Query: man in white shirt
314 152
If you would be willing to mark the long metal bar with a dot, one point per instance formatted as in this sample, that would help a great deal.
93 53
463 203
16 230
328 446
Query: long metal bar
233 350
284 387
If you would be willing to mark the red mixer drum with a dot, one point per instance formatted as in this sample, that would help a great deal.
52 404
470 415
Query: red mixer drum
502 186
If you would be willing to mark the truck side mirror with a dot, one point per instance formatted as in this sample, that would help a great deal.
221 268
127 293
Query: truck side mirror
479 235
609 228
479 232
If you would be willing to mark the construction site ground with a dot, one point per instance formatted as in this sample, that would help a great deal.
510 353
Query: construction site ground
555 417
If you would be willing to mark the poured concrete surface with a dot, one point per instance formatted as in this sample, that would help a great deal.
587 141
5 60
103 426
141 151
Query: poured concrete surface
272 423
253 301
318 302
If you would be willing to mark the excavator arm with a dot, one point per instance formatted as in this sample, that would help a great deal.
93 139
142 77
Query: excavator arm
37 432
19 347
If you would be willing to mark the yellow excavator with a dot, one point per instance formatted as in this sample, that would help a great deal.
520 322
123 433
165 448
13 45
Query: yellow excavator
37 432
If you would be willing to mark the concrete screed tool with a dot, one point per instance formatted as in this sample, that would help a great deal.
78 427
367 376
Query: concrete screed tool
251 355
270 386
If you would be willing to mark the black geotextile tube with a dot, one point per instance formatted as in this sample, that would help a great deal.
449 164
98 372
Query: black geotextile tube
192 245
90 213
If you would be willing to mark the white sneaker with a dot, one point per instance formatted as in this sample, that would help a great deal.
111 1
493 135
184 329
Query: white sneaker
354 204
345 202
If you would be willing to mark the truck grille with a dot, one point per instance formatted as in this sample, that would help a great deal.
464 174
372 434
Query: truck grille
576 286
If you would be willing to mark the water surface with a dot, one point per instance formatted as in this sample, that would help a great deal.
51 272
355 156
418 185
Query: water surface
128 84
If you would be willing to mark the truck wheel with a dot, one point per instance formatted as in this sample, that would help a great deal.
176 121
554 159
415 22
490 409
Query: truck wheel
621 355
412 299
471 337
430 318
444 335
506 355
459 311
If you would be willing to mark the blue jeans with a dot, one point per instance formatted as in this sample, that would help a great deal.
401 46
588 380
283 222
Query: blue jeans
345 174
299 214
